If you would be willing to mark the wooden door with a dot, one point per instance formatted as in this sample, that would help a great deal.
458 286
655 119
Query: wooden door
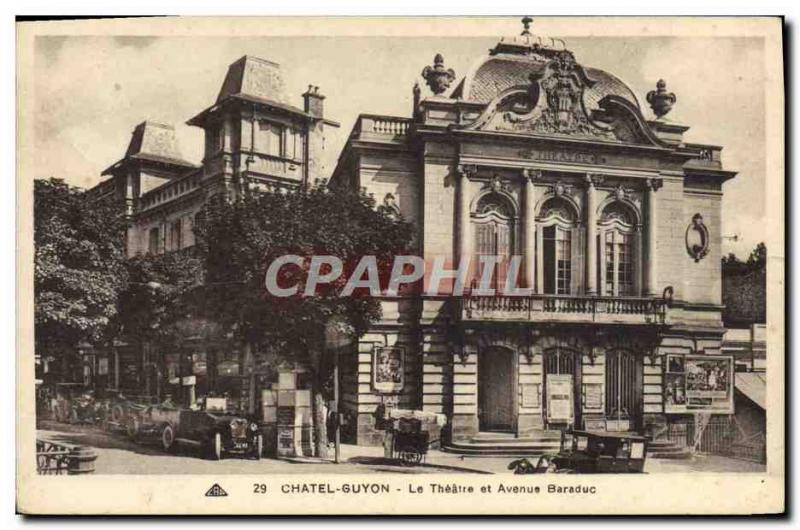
624 387
495 389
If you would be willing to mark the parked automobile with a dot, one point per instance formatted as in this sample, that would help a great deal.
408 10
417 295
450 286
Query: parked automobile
212 429
590 452
74 404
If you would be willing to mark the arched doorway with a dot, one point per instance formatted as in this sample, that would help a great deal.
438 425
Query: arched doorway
623 390
496 389
562 383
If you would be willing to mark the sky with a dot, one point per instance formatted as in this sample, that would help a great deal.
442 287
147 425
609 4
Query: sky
91 91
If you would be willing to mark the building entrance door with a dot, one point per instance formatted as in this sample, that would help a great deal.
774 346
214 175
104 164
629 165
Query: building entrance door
623 390
495 389
562 378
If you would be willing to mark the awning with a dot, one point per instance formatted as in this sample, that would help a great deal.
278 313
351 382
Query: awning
754 386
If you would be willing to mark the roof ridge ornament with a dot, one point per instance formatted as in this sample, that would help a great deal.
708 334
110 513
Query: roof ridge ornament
437 77
660 100
526 24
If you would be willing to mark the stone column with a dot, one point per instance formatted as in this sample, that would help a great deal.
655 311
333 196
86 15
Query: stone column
529 177
591 234
653 185
463 247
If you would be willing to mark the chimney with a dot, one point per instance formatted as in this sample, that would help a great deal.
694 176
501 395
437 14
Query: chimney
312 101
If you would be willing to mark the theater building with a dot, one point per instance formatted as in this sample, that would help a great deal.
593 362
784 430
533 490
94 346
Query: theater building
617 222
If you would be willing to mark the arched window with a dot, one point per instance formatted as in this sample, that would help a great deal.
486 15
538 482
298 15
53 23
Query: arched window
560 247
493 229
618 269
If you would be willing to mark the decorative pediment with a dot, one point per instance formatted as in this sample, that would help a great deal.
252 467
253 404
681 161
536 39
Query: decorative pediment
552 104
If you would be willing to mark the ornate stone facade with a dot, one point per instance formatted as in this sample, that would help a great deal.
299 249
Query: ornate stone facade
537 156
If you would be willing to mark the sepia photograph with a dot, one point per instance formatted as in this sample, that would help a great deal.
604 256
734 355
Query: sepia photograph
537 255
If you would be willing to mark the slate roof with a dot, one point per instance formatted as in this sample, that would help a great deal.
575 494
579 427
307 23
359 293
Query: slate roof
154 142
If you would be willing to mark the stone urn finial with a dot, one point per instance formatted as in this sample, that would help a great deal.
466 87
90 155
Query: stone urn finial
437 77
526 25
660 100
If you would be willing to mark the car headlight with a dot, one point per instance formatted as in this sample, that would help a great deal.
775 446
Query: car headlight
253 427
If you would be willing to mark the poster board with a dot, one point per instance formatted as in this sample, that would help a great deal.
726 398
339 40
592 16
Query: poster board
560 398
698 383
592 396
388 369
531 396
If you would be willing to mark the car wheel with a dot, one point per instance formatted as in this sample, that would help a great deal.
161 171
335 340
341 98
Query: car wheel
168 438
215 449
259 446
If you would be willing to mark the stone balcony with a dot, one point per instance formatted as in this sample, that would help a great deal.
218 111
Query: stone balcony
564 309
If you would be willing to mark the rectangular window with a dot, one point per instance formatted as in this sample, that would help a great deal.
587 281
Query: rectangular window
608 288
557 260
152 242
269 139
618 278
624 265
177 235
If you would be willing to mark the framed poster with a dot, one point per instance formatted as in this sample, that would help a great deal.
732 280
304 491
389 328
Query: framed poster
593 396
388 369
559 398
698 383
530 396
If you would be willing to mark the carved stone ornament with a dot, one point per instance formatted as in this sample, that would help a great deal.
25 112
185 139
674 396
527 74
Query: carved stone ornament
466 170
593 179
563 83
560 189
437 77
697 238
532 175
655 184
660 100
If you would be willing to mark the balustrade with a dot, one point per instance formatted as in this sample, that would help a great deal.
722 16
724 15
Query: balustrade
569 308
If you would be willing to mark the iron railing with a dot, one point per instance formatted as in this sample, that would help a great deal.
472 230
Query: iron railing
56 458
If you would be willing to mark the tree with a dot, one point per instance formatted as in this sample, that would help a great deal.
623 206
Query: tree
78 267
239 239
744 288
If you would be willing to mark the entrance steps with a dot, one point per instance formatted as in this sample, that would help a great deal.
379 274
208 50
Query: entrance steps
533 443
668 450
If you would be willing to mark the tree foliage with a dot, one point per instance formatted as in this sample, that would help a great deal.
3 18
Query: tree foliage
238 240
757 260
78 266
158 300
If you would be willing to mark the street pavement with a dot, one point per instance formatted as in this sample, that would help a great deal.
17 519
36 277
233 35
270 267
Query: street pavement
116 454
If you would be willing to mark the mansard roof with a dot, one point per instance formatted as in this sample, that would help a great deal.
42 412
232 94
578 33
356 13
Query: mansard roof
255 81
155 142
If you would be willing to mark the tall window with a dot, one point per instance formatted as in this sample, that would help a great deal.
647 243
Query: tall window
557 257
619 241
177 235
493 228
557 260
153 241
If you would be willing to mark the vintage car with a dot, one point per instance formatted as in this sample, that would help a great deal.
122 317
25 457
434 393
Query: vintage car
590 452
211 428
74 404
125 415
